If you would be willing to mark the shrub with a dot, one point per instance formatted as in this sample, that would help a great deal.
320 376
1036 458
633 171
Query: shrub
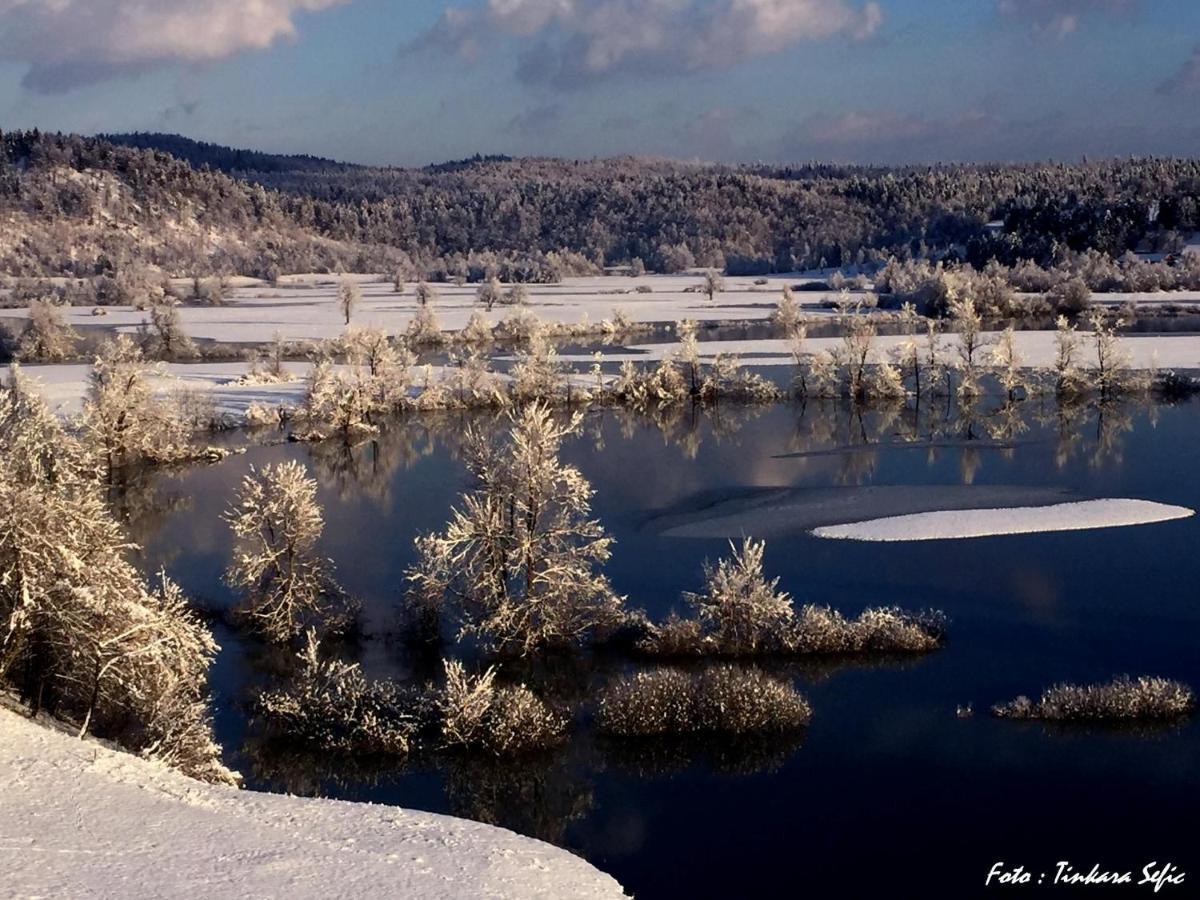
822 630
1123 698
478 715
330 705
722 699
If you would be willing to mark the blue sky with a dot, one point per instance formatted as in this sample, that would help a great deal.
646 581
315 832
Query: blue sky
778 80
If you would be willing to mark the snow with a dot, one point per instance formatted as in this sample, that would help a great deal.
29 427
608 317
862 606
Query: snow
82 820
305 307
64 386
974 523
767 512
1035 348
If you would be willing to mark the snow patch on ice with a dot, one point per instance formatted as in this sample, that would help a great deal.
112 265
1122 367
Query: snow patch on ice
974 523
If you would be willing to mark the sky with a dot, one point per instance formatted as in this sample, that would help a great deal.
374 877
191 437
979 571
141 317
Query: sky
409 82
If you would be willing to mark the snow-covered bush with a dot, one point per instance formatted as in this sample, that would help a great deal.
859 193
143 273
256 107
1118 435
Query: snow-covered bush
1122 698
742 613
520 553
330 705
84 636
277 522
721 699
476 714
163 336
786 315
424 329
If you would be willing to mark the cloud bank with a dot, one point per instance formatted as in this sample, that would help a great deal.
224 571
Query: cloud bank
69 43
570 43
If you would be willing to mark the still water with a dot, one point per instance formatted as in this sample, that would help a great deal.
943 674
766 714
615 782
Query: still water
888 792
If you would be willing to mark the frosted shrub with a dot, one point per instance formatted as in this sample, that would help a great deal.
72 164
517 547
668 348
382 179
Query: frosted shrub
1123 698
478 329
47 336
81 633
490 293
722 699
520 553
277 522
538 374
739 608
330 705
266 364
726 380
822 630
968 323
424 329
656 388
713 284
1069 381
476 714
1007 362
425 294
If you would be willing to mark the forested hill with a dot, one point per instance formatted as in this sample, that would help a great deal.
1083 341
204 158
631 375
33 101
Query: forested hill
85 202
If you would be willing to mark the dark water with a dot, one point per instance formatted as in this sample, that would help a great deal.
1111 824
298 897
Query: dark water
888 793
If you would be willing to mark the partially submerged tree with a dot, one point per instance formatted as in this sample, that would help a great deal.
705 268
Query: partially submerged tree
81 633
478 714
739 607
520 555
277 522
786 315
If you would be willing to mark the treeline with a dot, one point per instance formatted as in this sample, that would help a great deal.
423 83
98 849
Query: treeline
84 204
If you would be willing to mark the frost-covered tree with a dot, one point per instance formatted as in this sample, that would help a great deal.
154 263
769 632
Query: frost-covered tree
538 374
163 336
786 315
277 522
424 329
713 284
1007 361
1068 380
637 268
347 298
1112 360
490 293
425 294
81 633
47 336
517 295
520 556
478 714
969 324
123 419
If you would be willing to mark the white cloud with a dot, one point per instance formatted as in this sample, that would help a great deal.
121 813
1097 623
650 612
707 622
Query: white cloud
577 41
67 43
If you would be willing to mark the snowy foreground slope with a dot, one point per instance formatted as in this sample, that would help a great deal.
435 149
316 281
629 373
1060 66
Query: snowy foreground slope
78 819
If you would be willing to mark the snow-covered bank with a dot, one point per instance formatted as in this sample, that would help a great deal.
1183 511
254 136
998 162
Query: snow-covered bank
1035 348
974 523
82 820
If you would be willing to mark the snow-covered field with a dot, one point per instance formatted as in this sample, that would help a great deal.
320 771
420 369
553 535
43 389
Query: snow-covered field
306 308
78 819
975 523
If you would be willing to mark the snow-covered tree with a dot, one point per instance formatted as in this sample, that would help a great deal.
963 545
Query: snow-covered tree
490 293
47 336
520 555
81 633
969 324
163 336
424 329
538 374
123 419
517 295
426 294
347 299
478 714
1068 380
786 315
713 284
277 522
1007 361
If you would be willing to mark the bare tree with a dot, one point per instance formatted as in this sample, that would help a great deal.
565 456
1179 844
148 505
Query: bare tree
520 553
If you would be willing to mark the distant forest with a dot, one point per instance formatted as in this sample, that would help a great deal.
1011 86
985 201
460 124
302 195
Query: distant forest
79 206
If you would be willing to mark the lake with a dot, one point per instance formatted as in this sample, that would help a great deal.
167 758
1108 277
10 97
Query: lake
887 792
